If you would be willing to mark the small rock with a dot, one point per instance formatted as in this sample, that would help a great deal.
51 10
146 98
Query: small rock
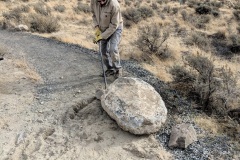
20 137
99 93
182 136
22 27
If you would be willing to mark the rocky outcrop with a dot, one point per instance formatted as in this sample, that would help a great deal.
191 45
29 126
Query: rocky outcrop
134 105
182 135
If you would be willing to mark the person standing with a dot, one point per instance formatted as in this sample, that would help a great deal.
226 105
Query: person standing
108 25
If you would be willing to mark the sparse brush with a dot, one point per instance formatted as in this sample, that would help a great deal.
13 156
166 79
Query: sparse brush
234 45
238 29
137 4
237 5
42 8
227 95
209 86
43 24
135 15
15 14
181 74
146 12
208 8
59 8
151 40
132 15
199 39
154 6
236 14
184 15
81 7
128 2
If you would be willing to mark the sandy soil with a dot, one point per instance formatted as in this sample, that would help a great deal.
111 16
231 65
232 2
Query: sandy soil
49 112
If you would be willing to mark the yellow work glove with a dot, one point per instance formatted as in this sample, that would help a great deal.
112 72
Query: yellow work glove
97 31
97 39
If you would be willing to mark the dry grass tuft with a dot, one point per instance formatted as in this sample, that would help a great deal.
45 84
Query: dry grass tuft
209 124
3 51
30 73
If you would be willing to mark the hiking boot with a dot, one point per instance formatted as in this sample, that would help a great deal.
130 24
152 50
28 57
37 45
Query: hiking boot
118 73
108 72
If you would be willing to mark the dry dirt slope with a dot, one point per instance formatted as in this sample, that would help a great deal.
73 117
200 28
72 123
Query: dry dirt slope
41 82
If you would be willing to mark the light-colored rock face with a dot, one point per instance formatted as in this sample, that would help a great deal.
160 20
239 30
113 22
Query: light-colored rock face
134 105
22 27
182 135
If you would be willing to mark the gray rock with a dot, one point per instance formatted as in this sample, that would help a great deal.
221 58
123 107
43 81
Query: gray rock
134 105
182 135
22 27
99 93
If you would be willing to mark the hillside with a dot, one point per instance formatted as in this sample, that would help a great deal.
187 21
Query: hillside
202 39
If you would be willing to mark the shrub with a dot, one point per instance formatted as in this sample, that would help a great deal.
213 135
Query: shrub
238 29
193 3
236 14
151 39
199 39
215 13
220 35
203 9
128 2
135 15
137 4
216 4
162 1
208 8
132 15
184 15
201 21
183 79
42 8
15 14
60 8
227 95
237 5
166 9
82 8
212 88
175 10
164 53
43 24
182 75
145 12
154 6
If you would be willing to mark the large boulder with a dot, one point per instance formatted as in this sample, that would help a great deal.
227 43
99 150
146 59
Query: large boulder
182 136
134 105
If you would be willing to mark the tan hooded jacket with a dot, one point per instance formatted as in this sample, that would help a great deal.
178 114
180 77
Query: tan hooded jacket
107 17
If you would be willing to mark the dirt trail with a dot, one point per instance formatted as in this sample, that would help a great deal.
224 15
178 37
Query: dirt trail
47 105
